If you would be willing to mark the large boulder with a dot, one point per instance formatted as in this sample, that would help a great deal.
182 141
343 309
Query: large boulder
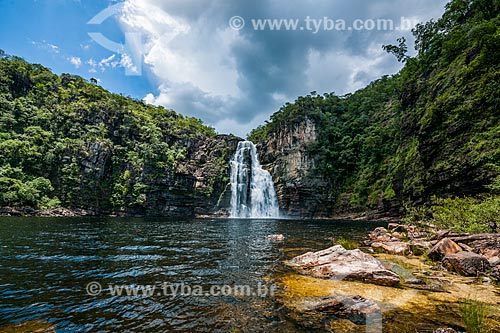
339 263
441 234
420 246
466 247
444 247
495 261
395 227
495 273
489 253
466 263
397 248
380 235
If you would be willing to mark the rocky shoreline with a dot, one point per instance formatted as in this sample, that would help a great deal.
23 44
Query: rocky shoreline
402 271
471 255
53 212
372 216
75 212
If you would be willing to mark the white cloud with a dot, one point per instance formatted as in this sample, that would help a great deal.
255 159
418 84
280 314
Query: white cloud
55 48
193 101
76 61
44 45
188 59
235 80
231 126
342 72
108 62
85 46
93 65
113 61
126 62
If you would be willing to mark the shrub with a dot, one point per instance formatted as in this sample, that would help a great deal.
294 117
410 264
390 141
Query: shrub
14 192
347 244
465 215
472 215
473 316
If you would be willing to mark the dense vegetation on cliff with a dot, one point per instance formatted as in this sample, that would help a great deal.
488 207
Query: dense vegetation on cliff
432 129
66 142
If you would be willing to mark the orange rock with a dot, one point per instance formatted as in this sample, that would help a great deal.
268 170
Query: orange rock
444 247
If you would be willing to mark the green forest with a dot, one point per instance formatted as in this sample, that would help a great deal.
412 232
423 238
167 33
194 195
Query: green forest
420 136
431 131
68 142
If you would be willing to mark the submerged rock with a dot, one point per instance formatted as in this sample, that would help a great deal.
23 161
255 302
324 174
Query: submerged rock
444 247
355 308
276 238
414 309
339 264
466 263
343 326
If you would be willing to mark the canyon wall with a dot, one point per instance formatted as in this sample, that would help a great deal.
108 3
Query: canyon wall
302 192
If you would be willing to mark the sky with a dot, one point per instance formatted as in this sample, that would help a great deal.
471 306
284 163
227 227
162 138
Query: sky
217 60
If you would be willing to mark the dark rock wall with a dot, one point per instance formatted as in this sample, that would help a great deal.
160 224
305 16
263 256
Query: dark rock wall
301 191
197 183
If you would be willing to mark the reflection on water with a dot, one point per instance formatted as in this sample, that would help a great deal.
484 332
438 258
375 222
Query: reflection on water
46 263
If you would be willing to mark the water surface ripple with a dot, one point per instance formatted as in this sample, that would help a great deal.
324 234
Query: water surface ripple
46 264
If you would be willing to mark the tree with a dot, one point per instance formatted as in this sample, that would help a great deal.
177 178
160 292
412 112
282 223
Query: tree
399 51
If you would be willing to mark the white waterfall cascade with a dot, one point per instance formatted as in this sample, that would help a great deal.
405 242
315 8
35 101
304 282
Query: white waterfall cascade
252 188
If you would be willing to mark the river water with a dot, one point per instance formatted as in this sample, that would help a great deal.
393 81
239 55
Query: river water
46 265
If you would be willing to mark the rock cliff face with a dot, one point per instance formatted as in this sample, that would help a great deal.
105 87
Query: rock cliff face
199 185
301 191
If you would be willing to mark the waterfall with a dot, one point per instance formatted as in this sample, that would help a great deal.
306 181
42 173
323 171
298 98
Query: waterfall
252 188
